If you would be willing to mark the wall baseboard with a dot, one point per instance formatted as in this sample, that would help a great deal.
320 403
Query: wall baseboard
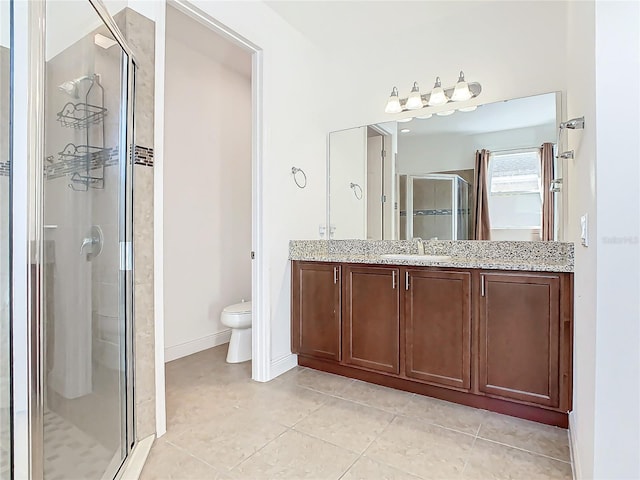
283 364
194 346
573 448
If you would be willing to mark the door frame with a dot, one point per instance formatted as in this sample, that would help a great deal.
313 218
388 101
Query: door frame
261 327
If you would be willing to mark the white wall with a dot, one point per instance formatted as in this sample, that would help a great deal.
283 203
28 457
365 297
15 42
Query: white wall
207 190
441 153
582 199
348 153
617 342
510 57
603 180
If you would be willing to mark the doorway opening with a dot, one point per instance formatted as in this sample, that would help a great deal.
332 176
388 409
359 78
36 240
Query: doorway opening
208 207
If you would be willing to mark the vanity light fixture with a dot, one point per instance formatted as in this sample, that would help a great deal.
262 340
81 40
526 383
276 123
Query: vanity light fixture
414 102
393 105
437 97
461 92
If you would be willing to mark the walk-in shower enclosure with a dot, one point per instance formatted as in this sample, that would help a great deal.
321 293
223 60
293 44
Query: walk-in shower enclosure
434 206
72 375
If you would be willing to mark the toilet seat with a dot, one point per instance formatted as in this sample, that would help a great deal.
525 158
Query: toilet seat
236 308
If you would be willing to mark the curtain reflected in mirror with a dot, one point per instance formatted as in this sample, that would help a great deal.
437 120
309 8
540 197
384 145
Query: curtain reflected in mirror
509 194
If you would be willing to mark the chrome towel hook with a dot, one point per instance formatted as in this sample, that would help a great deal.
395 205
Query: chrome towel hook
355 187
295 171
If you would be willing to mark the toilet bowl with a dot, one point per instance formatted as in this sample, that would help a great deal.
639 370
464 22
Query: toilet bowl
238 318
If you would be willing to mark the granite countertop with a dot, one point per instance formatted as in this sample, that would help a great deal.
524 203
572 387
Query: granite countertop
522 256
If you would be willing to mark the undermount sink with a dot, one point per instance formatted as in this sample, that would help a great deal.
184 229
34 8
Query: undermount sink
407 256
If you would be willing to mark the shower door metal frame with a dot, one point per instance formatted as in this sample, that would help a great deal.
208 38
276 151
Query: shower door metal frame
28 94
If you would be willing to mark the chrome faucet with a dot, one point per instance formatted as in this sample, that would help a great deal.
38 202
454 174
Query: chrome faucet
419 244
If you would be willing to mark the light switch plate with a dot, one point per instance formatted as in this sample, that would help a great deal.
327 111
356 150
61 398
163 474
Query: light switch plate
584 229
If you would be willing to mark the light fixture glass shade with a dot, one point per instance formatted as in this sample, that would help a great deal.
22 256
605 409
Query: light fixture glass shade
414 102
461 91
393 105
425 117
468 109
445 113
405 120
437 96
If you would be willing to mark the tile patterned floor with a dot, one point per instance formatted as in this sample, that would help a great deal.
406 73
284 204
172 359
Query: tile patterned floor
71 454
312 425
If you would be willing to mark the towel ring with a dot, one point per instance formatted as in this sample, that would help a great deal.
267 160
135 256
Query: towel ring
355 187
294 171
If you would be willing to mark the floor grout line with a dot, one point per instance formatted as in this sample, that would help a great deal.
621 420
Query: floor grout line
193 455
258 450
369 446
396 413
524 450
289 428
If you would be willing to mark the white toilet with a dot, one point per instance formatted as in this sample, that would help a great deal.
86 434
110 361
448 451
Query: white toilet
238 318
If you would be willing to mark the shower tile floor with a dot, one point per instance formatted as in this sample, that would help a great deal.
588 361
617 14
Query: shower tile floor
70 453
313 425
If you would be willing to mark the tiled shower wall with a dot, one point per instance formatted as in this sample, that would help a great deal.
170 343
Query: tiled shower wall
140 34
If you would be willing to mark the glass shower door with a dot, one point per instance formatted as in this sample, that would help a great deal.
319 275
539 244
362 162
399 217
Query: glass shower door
86 341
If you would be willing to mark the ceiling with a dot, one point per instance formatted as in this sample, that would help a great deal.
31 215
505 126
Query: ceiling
492 117
207 42
340 25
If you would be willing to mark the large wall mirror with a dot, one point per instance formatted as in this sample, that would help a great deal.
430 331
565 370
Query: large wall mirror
488 174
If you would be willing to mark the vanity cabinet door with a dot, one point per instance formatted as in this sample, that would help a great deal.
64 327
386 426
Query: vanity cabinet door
371 318
315 315
520 337
437 306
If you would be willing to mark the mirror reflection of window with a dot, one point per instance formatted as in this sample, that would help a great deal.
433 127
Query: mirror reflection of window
515 201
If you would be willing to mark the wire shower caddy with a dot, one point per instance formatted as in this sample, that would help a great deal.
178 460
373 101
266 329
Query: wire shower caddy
86 158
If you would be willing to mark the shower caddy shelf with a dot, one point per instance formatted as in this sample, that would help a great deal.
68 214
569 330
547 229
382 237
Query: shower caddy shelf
89 158
81 115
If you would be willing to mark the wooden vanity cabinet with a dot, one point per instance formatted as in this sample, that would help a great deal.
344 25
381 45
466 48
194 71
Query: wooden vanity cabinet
371 318
520 337
315 312
437 319
497 340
